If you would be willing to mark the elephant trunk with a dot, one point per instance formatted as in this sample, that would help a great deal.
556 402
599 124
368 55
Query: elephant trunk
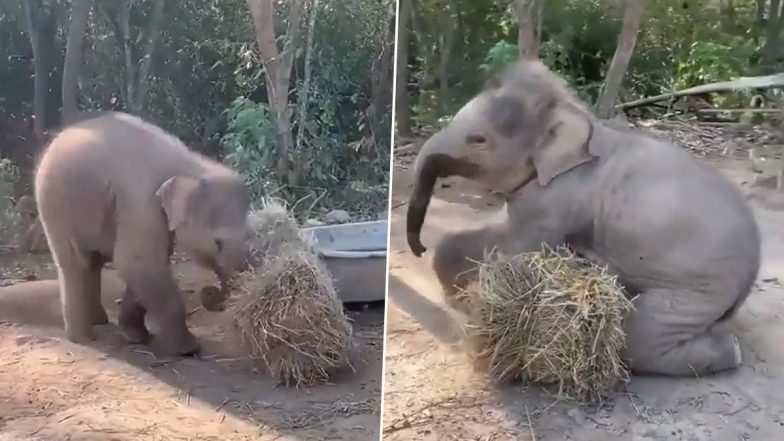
430 166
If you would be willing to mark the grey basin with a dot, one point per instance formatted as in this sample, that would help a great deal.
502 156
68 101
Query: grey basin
356 255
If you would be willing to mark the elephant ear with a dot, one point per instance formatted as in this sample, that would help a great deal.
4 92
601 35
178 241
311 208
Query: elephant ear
176 196
565 143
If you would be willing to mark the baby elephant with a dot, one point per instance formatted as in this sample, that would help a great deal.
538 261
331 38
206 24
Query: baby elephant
115 188
677 233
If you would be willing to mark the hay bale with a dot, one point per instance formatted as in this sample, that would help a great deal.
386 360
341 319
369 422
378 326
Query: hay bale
274 228
285 312
550 317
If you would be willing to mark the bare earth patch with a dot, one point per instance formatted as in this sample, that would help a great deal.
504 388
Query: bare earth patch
432 392
53 390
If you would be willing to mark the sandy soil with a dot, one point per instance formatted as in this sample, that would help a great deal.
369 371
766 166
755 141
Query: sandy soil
431 391
53 390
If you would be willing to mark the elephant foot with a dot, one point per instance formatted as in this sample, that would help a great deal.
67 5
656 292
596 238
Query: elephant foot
80 336
100 317
136 335
703 354
184 345
131 321
728 348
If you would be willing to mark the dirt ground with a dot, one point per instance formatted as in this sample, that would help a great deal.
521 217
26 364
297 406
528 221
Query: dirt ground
431 391
53 390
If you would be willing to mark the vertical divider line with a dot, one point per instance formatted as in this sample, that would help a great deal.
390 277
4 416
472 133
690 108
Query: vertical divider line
389 221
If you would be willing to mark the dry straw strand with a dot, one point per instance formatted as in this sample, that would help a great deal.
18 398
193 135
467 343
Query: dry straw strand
550 317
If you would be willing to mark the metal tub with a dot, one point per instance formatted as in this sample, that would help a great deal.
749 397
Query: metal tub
356 255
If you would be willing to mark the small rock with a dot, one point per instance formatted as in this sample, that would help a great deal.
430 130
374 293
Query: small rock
338 217
313 223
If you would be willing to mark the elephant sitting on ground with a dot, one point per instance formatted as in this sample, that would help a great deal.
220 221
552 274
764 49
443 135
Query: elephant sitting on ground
679 235
115 188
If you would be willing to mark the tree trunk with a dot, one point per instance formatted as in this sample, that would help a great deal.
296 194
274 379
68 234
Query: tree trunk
40 68
727 15
445 40
142 85
528 32
760 13
402 110
759 21
80 9
277 66
130 68
770 51
304 92
632 19
381 69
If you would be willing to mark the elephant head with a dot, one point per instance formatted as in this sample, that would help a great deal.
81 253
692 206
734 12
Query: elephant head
524 125
208 216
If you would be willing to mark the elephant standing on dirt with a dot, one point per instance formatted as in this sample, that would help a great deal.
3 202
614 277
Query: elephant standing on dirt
674 230
115 188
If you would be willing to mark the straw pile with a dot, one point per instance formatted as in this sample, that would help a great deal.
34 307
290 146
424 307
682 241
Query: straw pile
285 312
549 317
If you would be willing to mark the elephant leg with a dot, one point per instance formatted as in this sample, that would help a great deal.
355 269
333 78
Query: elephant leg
92 280
131 319
159 296
77 281
75 284
671 332
455 263
456 258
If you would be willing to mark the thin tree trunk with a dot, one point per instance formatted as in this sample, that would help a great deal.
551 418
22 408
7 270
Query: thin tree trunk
402 110
632 20
772 33
760 13
130 68
416 22
277 66
142 83
727 15
40 68
80 9
445 51
759 21
381 69
528 24
304 93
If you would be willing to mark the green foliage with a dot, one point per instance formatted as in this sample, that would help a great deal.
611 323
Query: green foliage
249 145
9 176
501 54
710 61
207 86
680 44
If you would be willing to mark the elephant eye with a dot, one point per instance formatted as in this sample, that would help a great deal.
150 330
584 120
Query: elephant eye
219 244
476 138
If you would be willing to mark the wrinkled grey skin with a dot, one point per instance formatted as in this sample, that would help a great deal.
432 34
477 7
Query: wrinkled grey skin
115 188
675 231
